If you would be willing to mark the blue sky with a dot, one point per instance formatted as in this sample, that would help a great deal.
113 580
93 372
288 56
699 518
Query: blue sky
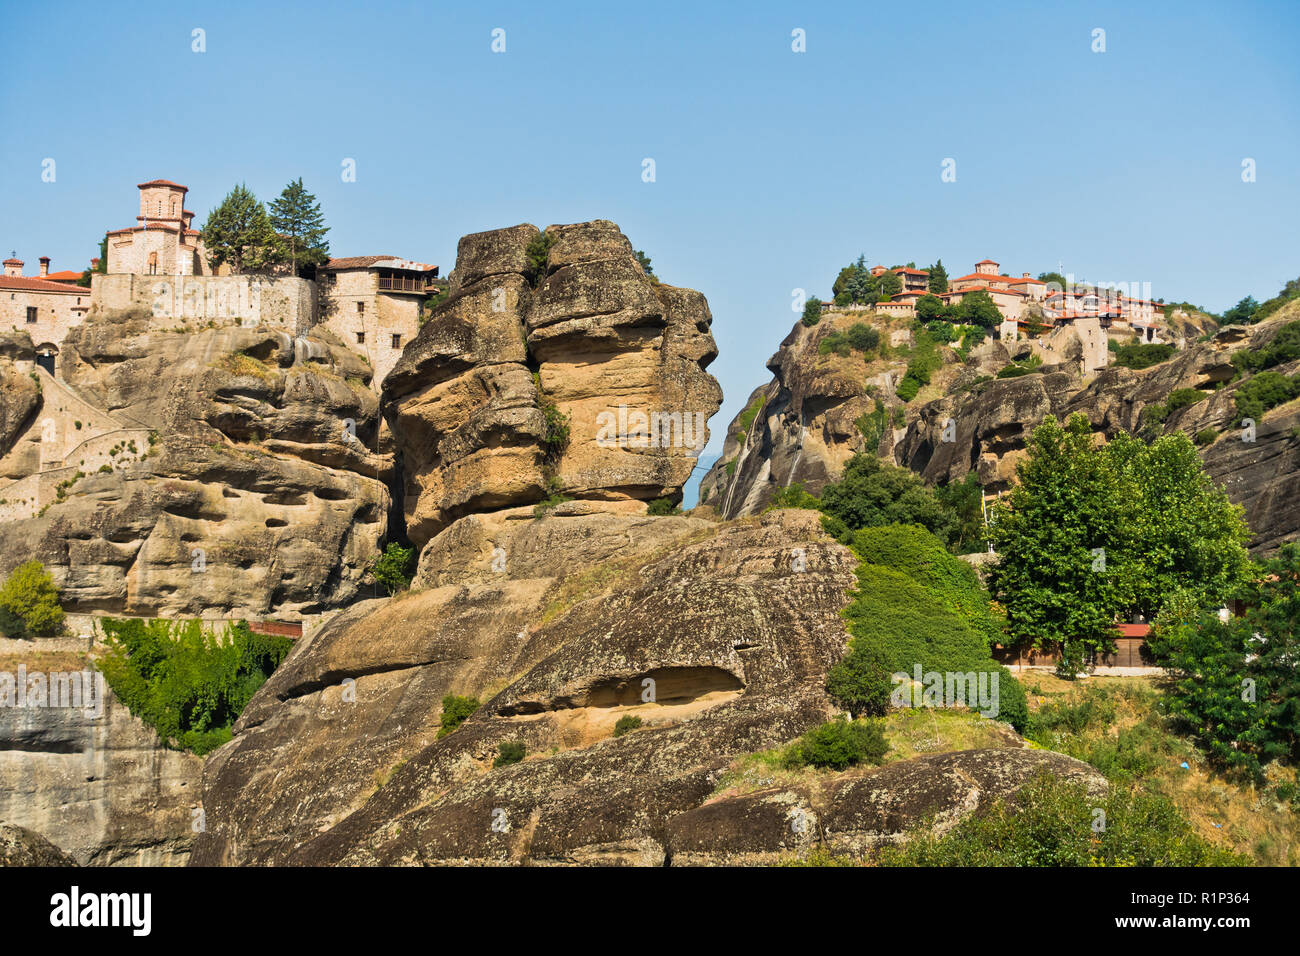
773 168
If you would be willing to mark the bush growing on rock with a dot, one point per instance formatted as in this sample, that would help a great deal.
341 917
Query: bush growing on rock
455 711
626 724
812 312
1266 390
187 683
838 745
29 603
511 751
1050 823
1140 356
395 567
860 682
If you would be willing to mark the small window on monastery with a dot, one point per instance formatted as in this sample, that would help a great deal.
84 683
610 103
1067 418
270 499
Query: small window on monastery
361 338
397 341
361 308
31 313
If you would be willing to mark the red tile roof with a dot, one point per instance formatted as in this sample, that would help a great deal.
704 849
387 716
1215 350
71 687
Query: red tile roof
987 262
67 275
31 284
914 272
365 262
13 262
162 182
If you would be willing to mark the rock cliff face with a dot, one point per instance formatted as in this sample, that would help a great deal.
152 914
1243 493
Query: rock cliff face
100 787
522 351
806 427
224 471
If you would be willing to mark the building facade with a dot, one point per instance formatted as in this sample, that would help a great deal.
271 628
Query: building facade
42 307
372 303
163 241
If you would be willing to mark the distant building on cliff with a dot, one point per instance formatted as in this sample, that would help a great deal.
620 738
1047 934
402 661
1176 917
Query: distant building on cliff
43 306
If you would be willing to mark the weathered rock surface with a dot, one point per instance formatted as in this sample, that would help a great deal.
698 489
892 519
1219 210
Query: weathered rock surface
736 642
806 428
233 485
20 847
588 333
854 813
102 788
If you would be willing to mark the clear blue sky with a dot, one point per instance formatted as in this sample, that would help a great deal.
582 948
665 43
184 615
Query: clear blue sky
773 168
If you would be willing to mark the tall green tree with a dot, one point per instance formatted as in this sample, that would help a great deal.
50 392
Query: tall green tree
890 284
938 278
238 233
297 218
1092 534
1235 681
978 308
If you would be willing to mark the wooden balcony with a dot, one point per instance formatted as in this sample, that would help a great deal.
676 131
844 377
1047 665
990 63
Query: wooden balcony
414 285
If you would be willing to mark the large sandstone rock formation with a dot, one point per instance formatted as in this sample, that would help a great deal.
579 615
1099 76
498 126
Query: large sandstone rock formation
223 471
806 426
101 788
337 760
520 348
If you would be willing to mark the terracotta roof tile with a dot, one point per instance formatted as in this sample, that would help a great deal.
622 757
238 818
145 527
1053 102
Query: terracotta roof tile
32 284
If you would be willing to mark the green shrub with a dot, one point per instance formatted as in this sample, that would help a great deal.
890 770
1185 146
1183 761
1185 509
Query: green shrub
872 493
187 683
537 253
1284 347
1140 356
663 506
1052 822
1206 436
455 711
863 337
395 568
1262 392
29 603
838 744
556 427
834 342
860 682
1183 398
626 724
508 752
812 312
793 496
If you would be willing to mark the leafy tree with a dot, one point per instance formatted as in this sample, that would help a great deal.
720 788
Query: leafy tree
872 493
929 308
1235 681
965 500
1055 279
297 218
395 568
29 602
812 312
890 284
1242 313
863 337
978 308
238 233
1091 534
187 683
938 283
